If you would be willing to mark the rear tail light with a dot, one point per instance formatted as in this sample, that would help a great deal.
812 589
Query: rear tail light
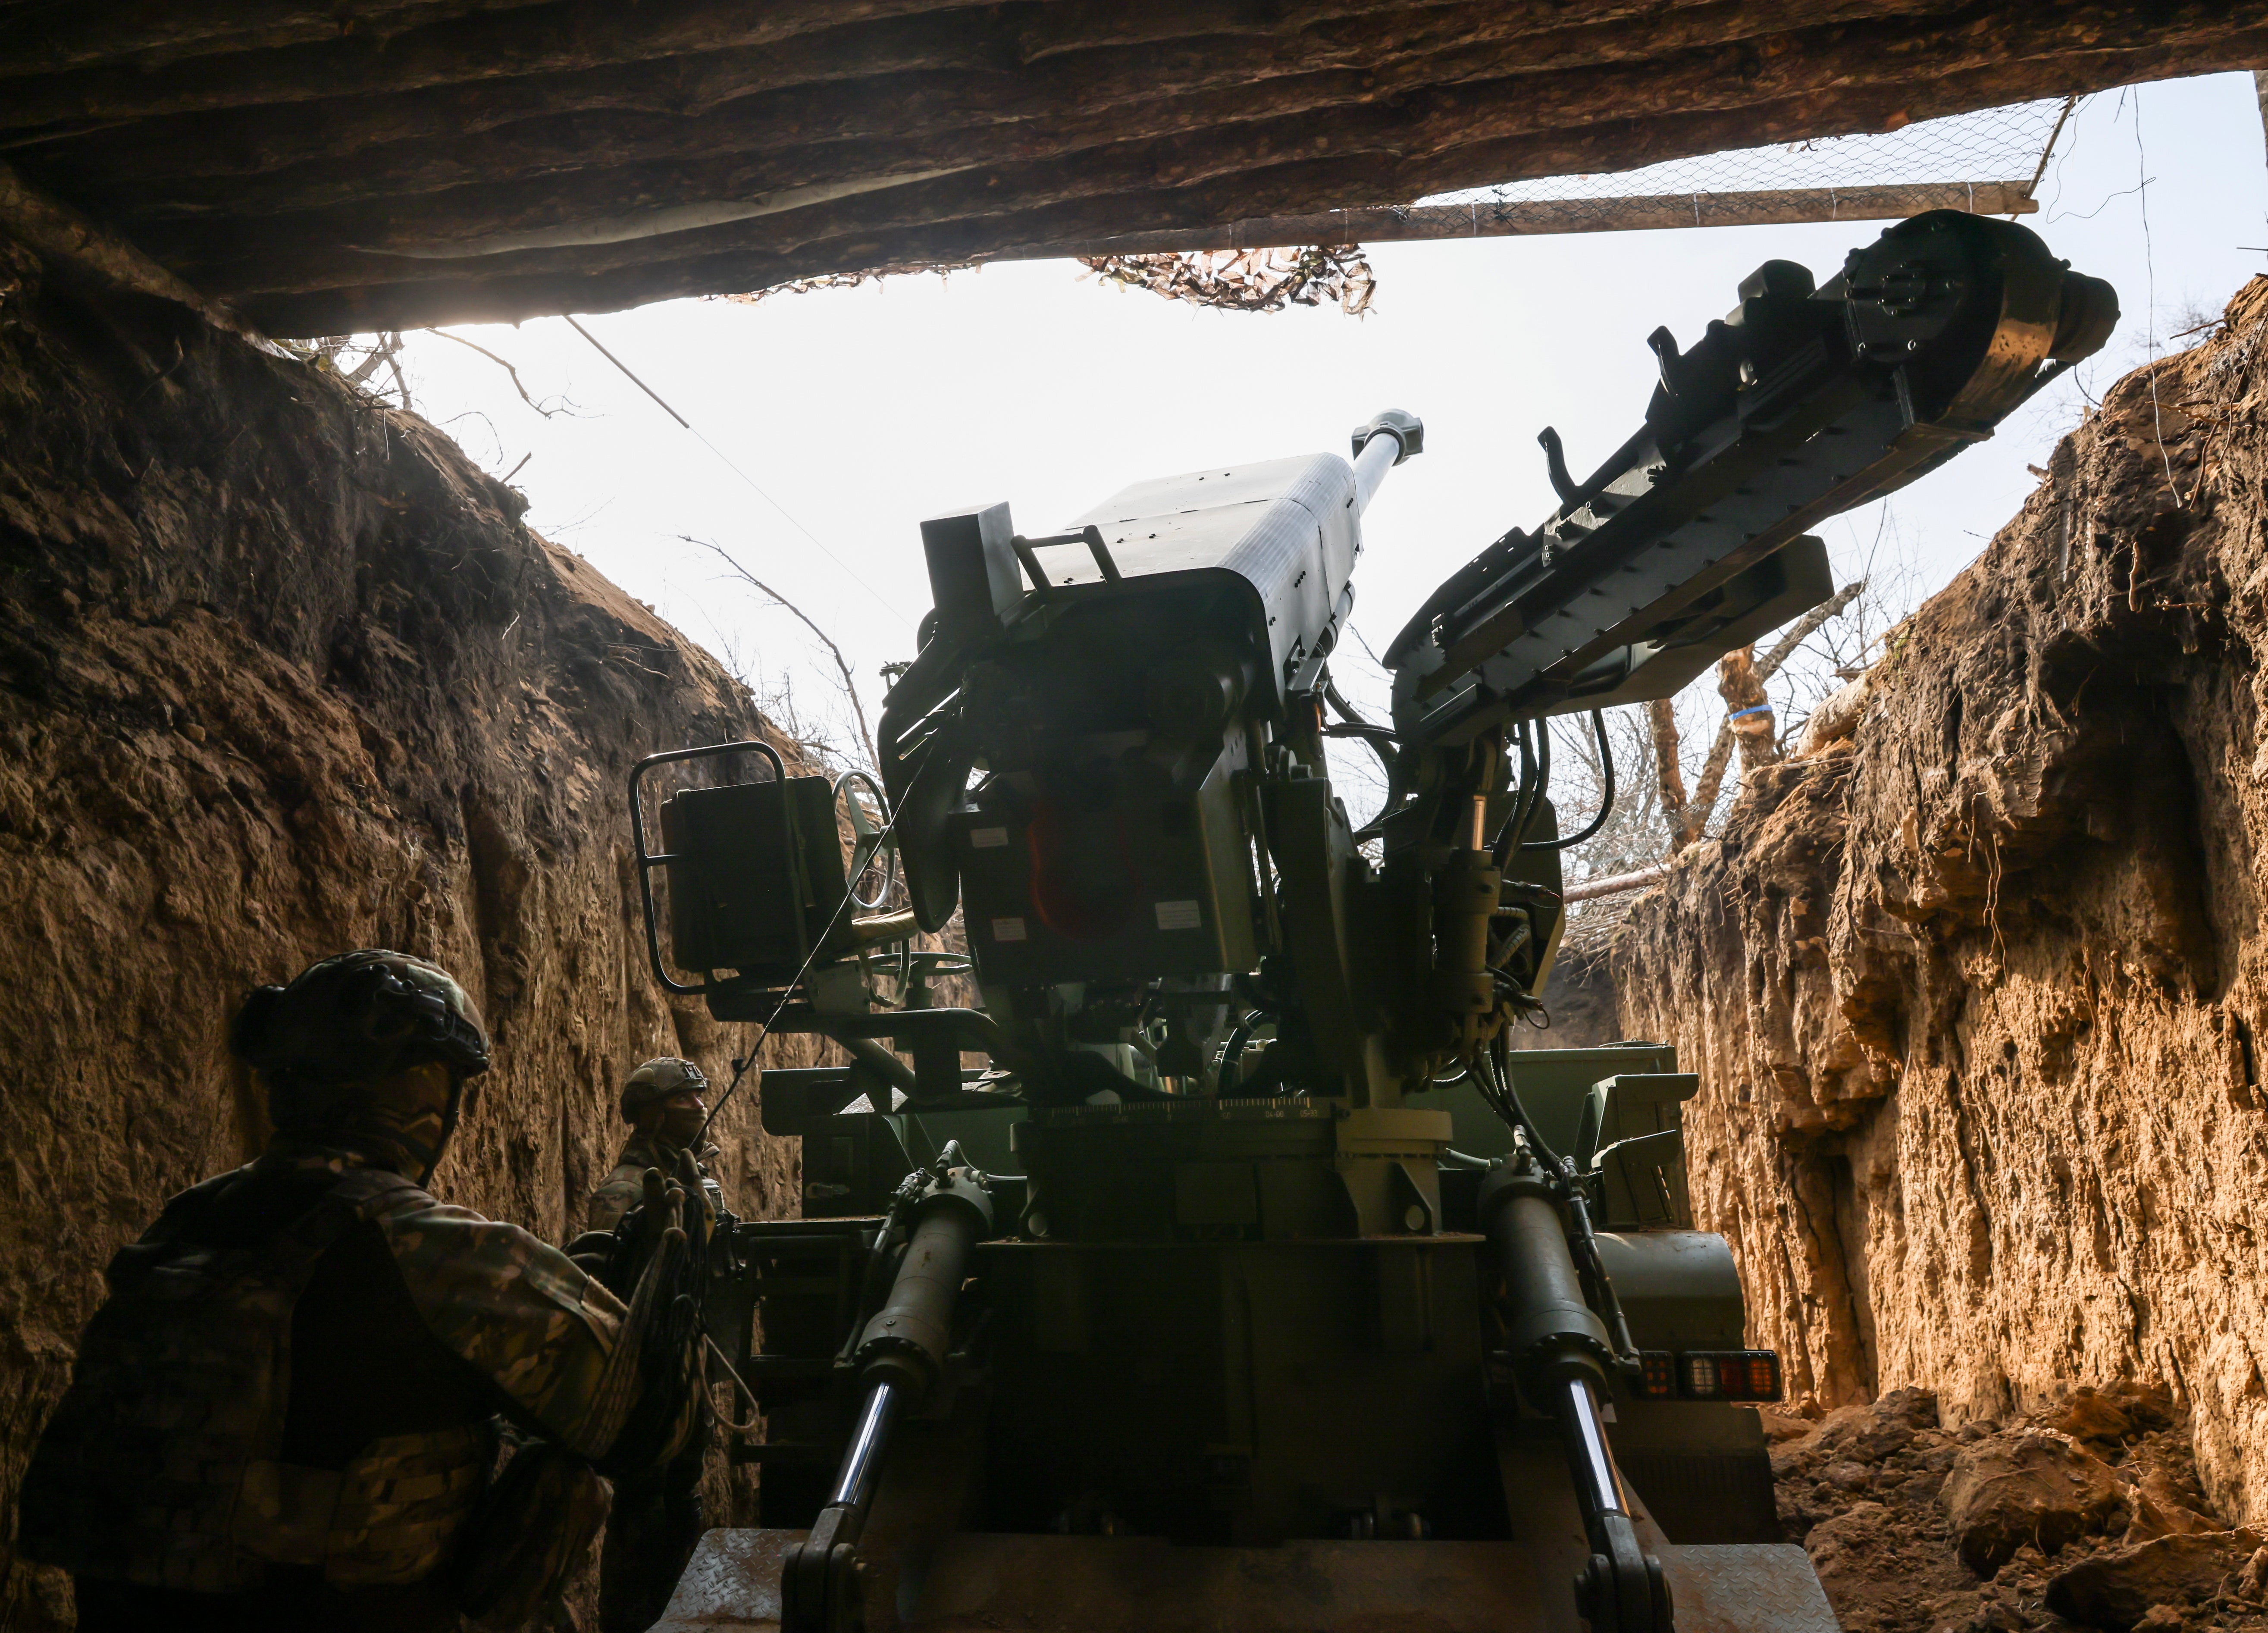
1709 1375
1658 1380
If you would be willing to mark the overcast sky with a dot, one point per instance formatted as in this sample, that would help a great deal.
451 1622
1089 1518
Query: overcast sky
861 411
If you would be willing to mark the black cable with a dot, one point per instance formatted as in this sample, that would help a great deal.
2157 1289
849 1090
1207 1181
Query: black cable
1500 1053
1225 1074
1606 790
1380 740
1383 742
1332 696
1535 782
1397 791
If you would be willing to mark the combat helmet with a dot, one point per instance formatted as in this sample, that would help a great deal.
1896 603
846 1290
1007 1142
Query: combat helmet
656 1080
352 1018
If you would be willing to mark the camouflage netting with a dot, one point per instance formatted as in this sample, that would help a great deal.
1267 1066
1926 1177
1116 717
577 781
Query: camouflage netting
1249 280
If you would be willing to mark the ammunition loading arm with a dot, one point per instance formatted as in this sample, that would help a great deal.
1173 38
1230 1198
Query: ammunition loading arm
1802 403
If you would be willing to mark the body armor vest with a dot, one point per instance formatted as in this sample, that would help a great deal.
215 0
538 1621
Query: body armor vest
160 1465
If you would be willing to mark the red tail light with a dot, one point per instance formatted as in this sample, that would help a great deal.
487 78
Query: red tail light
1709 1375
1732 1375
1658 1381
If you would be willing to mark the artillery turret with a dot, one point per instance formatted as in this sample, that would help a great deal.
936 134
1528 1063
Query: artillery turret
1225 1265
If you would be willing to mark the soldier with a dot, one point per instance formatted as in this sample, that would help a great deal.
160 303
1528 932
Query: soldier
281 1416
656 1516
662 1103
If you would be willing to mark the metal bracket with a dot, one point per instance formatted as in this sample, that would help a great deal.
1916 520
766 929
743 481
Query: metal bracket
648 860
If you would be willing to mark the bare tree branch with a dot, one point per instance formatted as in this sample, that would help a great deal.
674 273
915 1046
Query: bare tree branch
1804 628
389 343
508 369
401 385
841 664
1712 778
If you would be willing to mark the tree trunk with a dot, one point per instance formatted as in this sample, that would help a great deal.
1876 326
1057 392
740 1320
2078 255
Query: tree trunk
1747 711
1662 712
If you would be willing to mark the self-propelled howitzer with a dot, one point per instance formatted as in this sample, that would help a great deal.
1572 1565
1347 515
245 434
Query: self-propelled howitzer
1227 1241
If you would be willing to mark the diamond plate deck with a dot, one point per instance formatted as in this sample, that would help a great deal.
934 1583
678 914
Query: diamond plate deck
987 1583
1747 1588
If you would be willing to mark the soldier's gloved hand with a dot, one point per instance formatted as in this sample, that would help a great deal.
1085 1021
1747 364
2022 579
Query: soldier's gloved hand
687 1178
641 1235
594 1252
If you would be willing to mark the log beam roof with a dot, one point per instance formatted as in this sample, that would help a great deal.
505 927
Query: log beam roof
370 164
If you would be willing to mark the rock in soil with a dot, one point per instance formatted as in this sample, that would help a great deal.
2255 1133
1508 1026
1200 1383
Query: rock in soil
2083 1514
2123 1588
2035 1486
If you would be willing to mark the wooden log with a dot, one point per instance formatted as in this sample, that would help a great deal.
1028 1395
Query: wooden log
151 33
949 221
906 77
55 232
567 37
1615 885
1485 219
957 222
1371 153
926 119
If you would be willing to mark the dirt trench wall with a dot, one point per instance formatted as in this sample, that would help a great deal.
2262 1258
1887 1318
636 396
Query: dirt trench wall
282 674
1979 991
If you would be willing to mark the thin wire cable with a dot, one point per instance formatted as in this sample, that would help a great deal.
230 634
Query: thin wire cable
1985 145
2150 315
727 459
742 1065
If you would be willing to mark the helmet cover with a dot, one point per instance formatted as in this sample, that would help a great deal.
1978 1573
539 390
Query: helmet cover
356 1016
656 1080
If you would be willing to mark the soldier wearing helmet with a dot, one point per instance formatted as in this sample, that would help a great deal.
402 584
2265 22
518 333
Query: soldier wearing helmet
662 1103
656 1516
283 1415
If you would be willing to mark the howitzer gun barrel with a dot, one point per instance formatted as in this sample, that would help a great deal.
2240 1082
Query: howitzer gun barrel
1379 446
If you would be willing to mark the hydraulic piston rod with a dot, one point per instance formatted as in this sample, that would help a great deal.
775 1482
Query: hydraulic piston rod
1593 1464
1562 1352
902 1351
862 1462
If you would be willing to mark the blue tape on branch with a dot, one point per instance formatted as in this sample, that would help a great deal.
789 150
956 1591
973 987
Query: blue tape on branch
1761 709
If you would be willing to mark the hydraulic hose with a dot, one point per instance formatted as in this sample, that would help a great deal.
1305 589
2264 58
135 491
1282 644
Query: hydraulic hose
1606 790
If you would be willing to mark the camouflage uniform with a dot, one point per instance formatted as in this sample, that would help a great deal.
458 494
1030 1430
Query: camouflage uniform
656 1516
311 1442
625 1188
283 1417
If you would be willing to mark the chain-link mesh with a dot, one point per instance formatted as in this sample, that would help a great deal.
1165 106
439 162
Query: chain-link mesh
1993 144
1987 161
